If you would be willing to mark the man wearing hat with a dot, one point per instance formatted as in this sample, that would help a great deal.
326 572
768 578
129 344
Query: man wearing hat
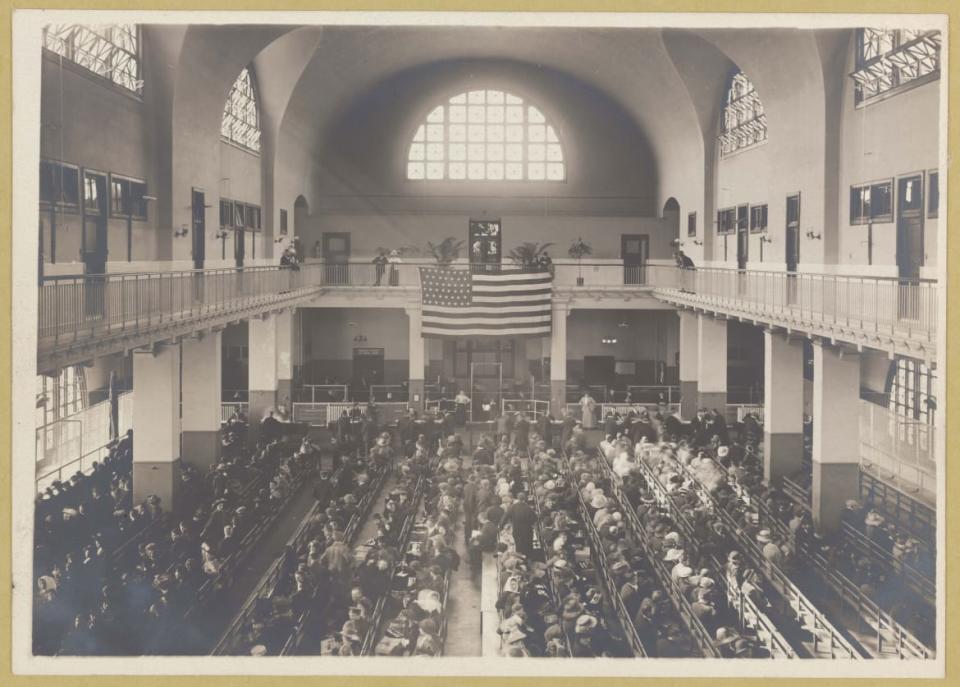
523 520
583 637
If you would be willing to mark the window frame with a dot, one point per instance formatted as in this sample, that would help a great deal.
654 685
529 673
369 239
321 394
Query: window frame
57 167
68 58
729 136
863 66
283 222
763 210
525 143
727 221
232 112
692 224
226 205
135 210
860 219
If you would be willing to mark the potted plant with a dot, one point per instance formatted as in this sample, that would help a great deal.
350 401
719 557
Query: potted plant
528 254
578 249
446 251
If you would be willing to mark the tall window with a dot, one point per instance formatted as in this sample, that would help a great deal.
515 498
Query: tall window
743 123
911 389
889 58
486 135
111 50
241 116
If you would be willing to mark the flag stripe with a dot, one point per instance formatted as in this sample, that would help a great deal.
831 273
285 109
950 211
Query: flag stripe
472 320
505 276
487 331
485 310
511 291
490 315
522 298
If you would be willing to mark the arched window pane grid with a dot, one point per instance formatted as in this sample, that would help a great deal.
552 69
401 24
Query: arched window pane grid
241 116
889 58
486 135
743 123
111 51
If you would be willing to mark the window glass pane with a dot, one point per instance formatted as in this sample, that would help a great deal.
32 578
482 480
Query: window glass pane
241 119
933 194
69 186
879 200
743 122
485 121
111 50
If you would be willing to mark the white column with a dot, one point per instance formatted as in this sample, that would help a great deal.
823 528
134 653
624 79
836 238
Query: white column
156 422
782 406
202 369
417 356
836 433
558 357
712 362
271 367
688 349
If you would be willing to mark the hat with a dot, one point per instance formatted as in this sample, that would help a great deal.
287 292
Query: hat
673 555
763 536
874 519
725 636
706 583
723 451
852 504
428 626
560 563
550 485
585 623
258 650
683 571
672 536
620 567
599 500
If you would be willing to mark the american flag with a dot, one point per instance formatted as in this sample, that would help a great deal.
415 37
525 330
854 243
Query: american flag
508 302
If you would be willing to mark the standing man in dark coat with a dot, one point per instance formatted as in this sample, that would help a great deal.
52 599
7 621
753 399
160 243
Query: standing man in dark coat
470 505
545 427
566 432
523 519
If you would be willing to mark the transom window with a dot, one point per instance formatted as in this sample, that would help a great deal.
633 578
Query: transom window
744 123
241 116
486 135
889 58
112 50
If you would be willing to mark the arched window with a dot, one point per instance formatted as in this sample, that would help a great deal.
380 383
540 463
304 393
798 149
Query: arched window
241 115
486 135
889 58
743 122
111 50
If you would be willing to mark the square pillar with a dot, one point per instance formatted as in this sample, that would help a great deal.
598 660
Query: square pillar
271 363
712 363
689 337
156 421
417 355
201 387
560 311
782 406
836 433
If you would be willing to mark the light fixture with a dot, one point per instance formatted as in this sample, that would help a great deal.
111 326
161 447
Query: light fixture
608 340
697 243
765 239
182 231
811 235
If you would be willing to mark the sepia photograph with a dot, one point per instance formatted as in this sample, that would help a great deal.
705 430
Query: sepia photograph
392 343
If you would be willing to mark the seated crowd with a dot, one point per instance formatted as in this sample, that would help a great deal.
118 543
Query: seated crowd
117 594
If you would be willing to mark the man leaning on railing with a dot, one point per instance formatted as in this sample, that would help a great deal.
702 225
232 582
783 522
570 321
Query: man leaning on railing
687 268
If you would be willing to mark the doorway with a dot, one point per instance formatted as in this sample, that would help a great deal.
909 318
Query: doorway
336 257
743 236
599 370
485 243
367 368
634 251
792 246
909 243
199 228
95 222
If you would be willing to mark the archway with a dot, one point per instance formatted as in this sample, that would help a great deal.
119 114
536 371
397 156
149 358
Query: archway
301 211
671 213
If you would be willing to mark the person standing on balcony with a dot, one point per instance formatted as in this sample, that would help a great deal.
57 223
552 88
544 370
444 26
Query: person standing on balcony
394 260
380 263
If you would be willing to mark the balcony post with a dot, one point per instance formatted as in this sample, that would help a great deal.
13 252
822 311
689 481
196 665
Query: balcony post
201 387
156 415
782 406
271 369
712 363
689 333
836 433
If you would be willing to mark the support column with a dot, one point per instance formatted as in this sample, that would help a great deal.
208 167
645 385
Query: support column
202 369
558 358
836 433
689 333
271 368
156 421
417 357
712 363
782 406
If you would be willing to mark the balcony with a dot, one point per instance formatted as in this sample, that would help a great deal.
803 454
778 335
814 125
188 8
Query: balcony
890 314
84 316
81 317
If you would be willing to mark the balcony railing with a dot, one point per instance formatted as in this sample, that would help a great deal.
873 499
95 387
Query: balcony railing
89 307
905 310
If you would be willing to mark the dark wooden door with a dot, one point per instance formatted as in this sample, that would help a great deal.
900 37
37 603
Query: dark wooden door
94 223
792 245
199 228
909 227
634 251
743 236
336 257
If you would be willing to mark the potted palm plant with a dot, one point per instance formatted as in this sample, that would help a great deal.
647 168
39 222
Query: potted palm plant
446 251
578 249
528 254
